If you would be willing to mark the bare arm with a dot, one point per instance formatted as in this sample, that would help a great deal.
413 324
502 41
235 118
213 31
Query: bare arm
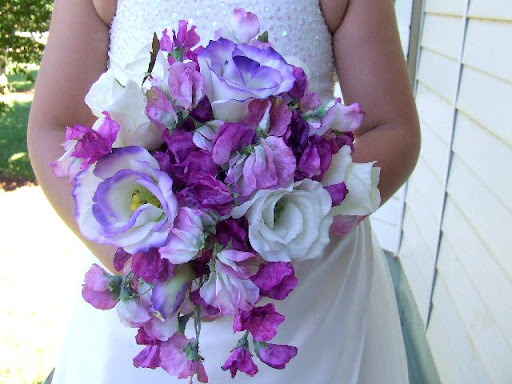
75 56
372 71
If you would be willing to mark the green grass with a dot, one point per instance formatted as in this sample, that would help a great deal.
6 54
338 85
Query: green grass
22 82
15 169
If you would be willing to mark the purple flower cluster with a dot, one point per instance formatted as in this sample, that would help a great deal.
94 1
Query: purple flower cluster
249 169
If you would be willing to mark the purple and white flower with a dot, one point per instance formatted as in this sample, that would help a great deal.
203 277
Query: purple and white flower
235 74
126 201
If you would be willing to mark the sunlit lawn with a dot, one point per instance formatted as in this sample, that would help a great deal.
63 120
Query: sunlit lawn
42 268
14 163
42 263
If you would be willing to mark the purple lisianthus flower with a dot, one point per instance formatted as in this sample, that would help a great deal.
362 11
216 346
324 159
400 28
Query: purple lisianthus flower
185 84
275 280
236 73
126 201
261 322
100 288
240 360
85 146
207 193
270 166
229 287
275 355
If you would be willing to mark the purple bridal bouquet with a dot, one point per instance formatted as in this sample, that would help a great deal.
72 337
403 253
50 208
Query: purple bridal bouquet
212 170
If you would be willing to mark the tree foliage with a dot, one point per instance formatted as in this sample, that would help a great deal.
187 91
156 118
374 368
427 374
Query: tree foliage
21 22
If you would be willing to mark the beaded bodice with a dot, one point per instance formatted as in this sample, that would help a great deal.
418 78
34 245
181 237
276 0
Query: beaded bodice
296 29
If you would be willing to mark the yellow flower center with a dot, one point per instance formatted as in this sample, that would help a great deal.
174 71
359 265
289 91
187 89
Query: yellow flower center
143 196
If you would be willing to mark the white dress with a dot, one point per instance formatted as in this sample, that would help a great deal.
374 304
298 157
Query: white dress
342 316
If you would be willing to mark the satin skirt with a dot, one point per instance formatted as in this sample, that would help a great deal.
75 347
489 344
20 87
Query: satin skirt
342 317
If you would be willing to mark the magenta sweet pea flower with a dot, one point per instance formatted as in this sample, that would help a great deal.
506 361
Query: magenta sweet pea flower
280 117
233 233
342 118
342 224
270 166
185 84
316 158
300 85
276 280
85 146
191 368
229 287
134 313
240 360
297 135
244 27
275 355
207 193
261 322
175 361
167 295
148 265
100 288
184 40
230 138
160 110
183 160
172 353
149 357
186 237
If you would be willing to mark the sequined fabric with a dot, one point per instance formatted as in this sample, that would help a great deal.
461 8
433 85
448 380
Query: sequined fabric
136 20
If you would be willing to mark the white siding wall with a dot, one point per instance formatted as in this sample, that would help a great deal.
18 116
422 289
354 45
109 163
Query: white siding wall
456 248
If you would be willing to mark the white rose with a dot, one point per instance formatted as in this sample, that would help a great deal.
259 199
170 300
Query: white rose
288 224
